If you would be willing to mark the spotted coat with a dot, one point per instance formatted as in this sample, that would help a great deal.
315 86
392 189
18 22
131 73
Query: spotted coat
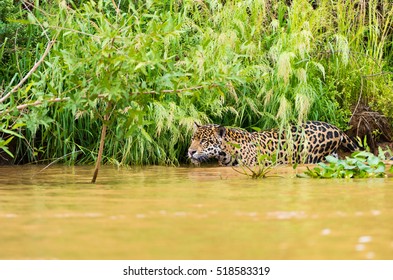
310 142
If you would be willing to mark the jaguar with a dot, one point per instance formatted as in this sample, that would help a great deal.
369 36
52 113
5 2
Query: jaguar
309 142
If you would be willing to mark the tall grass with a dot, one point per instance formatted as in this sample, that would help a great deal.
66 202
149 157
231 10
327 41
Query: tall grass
155 67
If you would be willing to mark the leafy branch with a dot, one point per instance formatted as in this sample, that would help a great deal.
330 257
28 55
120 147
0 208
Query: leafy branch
32 70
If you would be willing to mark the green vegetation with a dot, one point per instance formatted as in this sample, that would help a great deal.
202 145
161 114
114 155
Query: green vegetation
264 165
359 165
146 70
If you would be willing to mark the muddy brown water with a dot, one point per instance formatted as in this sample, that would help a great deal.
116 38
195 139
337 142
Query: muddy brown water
190 213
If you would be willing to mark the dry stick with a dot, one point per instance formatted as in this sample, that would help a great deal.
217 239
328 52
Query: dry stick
32 70
101 149
36 103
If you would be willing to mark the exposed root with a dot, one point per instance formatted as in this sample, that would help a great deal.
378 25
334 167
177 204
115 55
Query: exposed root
370 124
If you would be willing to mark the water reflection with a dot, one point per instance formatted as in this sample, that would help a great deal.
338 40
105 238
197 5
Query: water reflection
190 213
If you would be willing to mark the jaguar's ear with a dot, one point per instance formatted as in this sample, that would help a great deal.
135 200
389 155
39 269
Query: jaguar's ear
222 131
196 125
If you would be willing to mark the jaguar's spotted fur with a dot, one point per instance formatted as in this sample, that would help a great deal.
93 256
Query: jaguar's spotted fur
307 143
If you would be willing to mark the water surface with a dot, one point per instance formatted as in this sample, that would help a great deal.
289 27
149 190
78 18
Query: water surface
190 213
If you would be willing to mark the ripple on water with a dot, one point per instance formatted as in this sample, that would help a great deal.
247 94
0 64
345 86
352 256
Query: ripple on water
360 247
117 217
286 215
247 214
180 214
326 231
375 212
364 239
370 255
77 215
9 215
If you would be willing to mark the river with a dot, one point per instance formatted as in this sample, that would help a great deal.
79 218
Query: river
206 213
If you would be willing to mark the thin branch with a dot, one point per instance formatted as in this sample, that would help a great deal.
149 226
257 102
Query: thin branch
175 90
32 70
23 106
53 162
378 74
26 4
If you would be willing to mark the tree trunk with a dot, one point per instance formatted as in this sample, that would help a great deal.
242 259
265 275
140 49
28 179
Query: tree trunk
101 149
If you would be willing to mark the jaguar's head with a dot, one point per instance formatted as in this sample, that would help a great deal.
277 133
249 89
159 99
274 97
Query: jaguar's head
206 142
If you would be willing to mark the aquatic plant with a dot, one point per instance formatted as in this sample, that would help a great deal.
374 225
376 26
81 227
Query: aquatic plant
360 164
264 165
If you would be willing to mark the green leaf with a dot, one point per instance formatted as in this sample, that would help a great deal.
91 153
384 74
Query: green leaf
295 166
364 167
380 168
146 135
6 142
5 149
3 145
10 132
381 154
31 18
349 174
18 125
350 160
362 154
348 166
304 175
331 159
235 145
373 160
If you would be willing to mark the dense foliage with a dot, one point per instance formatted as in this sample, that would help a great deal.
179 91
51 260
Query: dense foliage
149 69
